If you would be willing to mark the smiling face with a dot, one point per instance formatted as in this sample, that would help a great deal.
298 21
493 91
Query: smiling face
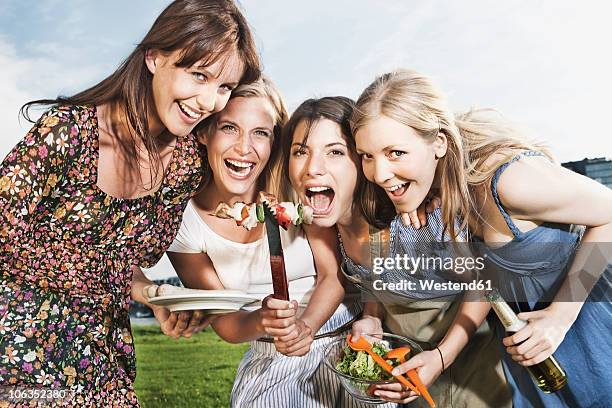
399 160
323 171
239 147
183 97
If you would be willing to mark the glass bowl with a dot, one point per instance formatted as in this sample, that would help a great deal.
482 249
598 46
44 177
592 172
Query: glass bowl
357 387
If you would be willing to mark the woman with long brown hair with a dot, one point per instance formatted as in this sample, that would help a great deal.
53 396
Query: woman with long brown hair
96 190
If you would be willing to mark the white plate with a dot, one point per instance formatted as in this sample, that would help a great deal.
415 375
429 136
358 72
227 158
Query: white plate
213 301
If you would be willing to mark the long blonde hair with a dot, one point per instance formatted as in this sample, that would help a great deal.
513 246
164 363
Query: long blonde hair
473 138
264 88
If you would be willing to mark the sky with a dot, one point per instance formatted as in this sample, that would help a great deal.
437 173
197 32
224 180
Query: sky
544 64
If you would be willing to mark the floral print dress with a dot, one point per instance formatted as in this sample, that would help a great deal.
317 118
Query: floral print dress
66 255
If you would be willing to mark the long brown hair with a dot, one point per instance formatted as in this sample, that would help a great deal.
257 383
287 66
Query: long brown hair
203 30
337 109
473 138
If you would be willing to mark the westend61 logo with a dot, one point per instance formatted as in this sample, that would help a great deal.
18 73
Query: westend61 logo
411 264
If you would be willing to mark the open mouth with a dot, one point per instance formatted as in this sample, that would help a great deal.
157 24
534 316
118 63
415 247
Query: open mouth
397 190
320 198
189 112
240 169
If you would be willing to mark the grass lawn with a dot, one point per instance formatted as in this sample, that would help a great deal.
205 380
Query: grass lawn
196 372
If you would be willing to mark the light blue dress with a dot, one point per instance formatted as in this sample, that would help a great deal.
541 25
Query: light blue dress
529 271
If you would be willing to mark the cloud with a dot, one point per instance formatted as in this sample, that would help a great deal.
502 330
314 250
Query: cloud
25 78
12 97
541 63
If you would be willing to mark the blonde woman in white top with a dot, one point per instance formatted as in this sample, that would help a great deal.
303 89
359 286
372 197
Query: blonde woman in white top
242 144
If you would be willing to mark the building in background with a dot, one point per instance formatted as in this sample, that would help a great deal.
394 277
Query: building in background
599 169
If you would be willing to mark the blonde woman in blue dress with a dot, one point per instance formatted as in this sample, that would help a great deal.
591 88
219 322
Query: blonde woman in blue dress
516 201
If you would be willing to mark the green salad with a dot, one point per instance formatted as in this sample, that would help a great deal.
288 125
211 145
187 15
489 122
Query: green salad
360 365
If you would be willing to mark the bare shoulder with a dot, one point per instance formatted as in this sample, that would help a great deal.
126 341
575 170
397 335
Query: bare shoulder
523 181
534 188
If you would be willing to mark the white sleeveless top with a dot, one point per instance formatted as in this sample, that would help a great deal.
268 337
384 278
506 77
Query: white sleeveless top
246 267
